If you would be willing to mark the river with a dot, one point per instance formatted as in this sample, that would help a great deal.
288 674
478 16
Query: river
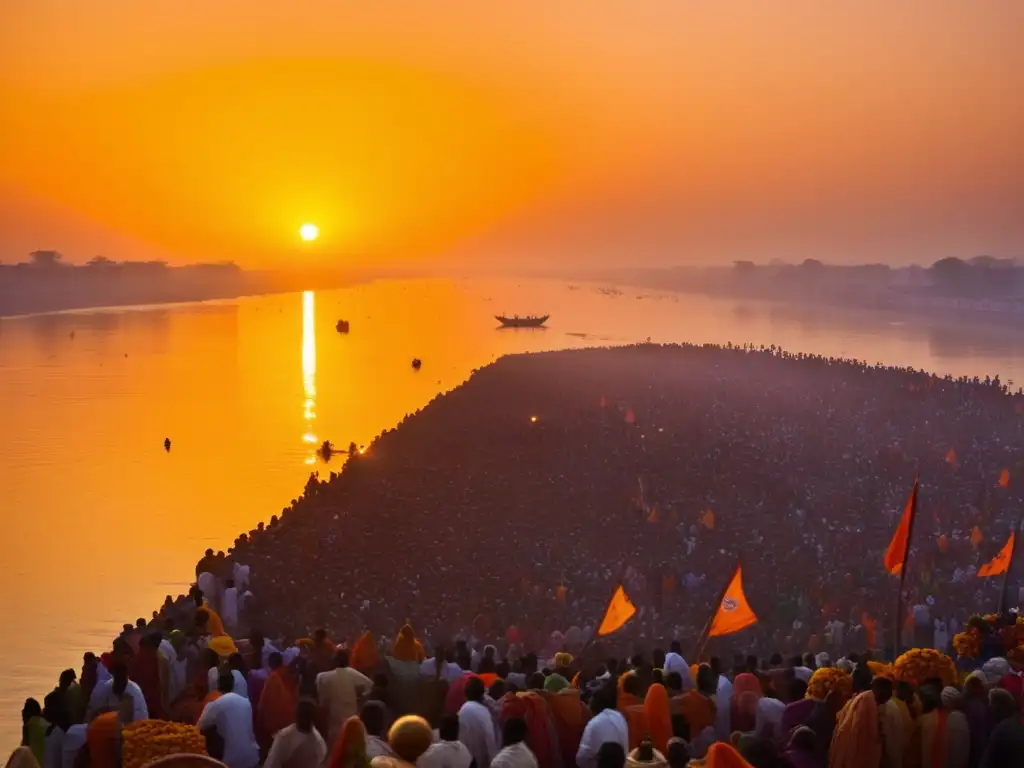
99 523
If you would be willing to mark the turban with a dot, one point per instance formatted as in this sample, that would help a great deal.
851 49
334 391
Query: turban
993 670
563 659
950 696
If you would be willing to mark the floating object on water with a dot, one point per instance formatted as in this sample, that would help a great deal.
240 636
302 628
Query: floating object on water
167 444
341 326
529 321
416 363
326 450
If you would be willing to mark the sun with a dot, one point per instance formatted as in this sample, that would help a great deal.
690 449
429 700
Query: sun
309 232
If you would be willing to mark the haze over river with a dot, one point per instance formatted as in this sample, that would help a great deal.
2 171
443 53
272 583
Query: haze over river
98 523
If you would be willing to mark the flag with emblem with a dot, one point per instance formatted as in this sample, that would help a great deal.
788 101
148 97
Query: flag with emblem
999 564
620 610
734 612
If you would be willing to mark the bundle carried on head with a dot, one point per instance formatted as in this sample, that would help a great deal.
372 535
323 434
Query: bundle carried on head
828 679
920 664
144 741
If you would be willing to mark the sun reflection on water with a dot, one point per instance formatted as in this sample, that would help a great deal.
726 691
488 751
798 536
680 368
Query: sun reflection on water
309 372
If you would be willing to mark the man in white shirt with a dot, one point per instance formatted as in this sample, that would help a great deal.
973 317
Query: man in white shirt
608 724
514 753
107 696
340 691
476 726
448 752
300 744
231 715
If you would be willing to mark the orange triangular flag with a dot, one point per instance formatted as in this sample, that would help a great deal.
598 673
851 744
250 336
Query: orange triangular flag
943 544
951 457
560 593
1004 479
707 519
896 554
734 612
653 517
976 537
620 610
1001 562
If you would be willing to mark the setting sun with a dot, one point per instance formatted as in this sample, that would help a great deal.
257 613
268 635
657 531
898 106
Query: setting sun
309 232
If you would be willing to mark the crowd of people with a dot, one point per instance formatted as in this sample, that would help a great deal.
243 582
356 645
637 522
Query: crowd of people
506 512
318 705
513 501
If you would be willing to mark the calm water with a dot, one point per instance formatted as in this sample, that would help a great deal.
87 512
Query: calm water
98 523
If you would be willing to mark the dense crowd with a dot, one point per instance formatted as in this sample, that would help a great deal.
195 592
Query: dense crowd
506 512
390 705
516 500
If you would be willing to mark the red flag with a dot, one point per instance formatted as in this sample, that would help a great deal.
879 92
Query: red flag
1000 563
951 457
630 416
734 612
899 547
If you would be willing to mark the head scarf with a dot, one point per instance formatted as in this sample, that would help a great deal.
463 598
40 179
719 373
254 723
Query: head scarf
563 659
659 716
364 655
555 683
994 670
350 748
224 646
676 663
855 742
22 757
722 755
407 647
950 696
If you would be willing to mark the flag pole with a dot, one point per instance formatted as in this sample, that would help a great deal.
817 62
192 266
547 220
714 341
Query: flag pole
1006 576
898 621
701 639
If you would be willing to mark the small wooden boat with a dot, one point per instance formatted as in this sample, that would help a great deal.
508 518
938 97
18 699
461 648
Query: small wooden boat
417 363
529 321
342 326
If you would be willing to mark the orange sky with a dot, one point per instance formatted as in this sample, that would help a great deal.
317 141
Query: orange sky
662 131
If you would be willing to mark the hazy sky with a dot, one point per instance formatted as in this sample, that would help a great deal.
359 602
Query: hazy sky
597 131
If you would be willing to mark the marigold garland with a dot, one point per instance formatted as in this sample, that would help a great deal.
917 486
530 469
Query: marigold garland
967 644
827 679
920 664
144 741
880 669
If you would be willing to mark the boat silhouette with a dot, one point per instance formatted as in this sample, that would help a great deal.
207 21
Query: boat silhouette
529 321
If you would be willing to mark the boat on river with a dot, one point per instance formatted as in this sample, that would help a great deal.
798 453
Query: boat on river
528 321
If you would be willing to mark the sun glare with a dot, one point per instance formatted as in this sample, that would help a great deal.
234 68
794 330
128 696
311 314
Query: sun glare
309 232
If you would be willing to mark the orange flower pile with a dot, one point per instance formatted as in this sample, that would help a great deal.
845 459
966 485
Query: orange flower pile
880 669
967 644
144 741
828 679
919 664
